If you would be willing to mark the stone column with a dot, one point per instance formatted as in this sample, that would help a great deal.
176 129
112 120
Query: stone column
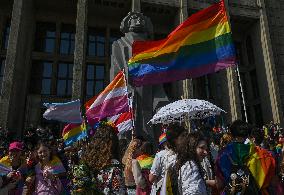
232 83
136 6
80 50
187 88
17 66
270 65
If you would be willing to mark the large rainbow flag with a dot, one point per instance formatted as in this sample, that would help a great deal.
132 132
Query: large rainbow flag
200 45
259 161
111 101
74 132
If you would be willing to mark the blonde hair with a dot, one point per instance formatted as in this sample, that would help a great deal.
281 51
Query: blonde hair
226 139
128 155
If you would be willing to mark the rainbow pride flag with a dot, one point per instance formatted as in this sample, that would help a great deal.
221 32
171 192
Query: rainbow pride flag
5 166
145 161
56 166
200 45
259 161
162 138
74 132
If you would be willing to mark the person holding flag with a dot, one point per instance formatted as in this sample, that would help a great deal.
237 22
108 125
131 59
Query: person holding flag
14 170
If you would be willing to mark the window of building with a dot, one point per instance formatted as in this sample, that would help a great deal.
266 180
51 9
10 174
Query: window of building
64 79
6 35
2 64
250 52
46 78
114 35
254 83
67 39
96 42
95 79
45 37
239 55
258 115
41 79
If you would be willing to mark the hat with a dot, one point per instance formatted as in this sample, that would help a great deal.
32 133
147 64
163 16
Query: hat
16 146
162 138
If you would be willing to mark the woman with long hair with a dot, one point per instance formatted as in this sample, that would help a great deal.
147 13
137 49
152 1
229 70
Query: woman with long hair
205 159
187 175
48 170
102 158
127 162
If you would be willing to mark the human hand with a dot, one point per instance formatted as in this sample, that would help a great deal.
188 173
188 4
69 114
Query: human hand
30 180
48 175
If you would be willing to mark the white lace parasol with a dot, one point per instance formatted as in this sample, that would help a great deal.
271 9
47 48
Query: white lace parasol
182 110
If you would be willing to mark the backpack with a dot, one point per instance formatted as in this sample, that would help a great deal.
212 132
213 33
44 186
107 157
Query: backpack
241 181
173 180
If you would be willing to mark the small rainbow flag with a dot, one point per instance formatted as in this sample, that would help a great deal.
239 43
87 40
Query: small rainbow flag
200 45
145 161
74 132
5 166
162 138
56 166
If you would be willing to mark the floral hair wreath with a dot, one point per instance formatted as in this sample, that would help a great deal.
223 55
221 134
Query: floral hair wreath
107 124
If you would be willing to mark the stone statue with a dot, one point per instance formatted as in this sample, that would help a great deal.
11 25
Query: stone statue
146 99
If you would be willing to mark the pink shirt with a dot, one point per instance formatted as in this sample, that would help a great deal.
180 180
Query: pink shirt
45 186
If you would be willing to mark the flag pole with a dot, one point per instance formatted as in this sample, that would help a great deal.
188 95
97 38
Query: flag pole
242 92
226 4
129 102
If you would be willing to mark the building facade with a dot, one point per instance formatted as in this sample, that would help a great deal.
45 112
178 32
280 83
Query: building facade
55 51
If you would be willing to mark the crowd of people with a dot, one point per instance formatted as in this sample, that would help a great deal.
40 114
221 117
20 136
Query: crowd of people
239 160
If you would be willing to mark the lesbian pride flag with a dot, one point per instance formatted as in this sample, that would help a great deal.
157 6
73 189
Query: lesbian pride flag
202 44
123 122
111 101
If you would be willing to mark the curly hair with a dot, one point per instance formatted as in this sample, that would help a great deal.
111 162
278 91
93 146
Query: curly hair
128 156
103 147
225 140
186 149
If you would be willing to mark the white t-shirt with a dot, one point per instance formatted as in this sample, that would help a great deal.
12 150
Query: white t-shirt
190 182
164 158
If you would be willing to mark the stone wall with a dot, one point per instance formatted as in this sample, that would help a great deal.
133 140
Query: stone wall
275 13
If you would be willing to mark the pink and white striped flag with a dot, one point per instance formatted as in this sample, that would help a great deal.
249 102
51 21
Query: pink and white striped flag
123 122
111 101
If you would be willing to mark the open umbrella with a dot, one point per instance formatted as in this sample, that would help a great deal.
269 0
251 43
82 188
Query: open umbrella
182 110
